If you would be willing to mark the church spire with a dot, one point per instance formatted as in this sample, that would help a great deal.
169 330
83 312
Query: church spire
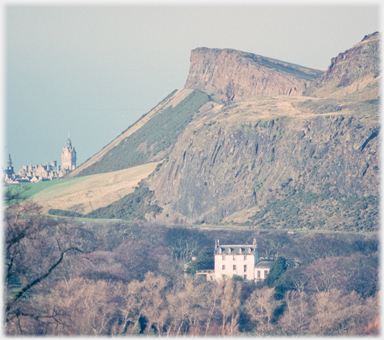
69 143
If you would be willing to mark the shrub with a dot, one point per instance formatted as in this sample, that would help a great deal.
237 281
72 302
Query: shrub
279 266
131 206
59 212
258 186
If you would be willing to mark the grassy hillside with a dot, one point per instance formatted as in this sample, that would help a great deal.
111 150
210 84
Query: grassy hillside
271 156
154 137
31 189
87 193
131 207
171 100
326 210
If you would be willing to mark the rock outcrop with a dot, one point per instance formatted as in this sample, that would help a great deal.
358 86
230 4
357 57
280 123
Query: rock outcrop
215 172
254 151
239 75
265 144
355 64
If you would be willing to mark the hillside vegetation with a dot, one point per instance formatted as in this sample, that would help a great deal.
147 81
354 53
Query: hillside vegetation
265 155
269 158
72 278
155 137
85 194
285 154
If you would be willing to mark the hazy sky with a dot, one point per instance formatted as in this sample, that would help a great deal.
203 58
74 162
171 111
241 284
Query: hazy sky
94 70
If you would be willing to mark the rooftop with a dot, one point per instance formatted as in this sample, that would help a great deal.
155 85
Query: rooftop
234 249
264 264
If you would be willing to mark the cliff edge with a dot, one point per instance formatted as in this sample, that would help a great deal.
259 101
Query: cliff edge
354 71
239 75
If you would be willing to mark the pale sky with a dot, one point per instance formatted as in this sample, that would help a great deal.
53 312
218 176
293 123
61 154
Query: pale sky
94 70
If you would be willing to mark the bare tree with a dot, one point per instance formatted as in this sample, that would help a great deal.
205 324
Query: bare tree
230 306
155 307
34 247
86 307
260 306
211 303
186 308
335 312
297 316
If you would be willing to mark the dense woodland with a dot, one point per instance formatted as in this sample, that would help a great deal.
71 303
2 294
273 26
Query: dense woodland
65 277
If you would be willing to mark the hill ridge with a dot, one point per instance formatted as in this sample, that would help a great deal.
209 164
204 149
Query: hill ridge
241 75
222 153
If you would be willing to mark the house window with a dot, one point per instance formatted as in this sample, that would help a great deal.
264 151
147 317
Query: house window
245 268
265 273
234 258
223 257
245 257
234 267
245 277
258 273
223 266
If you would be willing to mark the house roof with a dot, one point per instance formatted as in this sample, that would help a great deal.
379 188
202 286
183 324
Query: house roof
264 264
237 249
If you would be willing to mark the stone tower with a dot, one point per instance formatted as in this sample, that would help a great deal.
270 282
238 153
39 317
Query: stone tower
68 156
9 170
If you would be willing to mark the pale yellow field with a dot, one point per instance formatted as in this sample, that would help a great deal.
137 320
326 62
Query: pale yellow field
93 191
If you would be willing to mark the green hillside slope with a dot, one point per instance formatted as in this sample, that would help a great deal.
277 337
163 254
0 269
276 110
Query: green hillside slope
276 162
87 193
270 158
155 137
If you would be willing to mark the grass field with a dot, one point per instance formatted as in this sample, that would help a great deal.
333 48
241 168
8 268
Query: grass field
85 194
34 188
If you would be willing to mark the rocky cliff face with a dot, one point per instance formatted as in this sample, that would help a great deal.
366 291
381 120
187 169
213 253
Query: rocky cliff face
216 171
239 75
261 150
357 63
267 152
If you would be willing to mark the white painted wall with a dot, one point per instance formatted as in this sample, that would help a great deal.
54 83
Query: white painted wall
234 260
263 273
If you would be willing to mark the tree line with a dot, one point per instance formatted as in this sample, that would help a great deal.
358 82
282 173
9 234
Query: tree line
64 277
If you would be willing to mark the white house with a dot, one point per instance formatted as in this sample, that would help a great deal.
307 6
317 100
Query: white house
241 260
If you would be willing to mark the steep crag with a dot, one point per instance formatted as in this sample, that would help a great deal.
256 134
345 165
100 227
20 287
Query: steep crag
359 66
212 174
261 142
239 75
262 150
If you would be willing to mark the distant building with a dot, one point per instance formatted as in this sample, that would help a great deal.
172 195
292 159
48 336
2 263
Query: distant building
68 156
37 173
262 269
241 260
9 170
